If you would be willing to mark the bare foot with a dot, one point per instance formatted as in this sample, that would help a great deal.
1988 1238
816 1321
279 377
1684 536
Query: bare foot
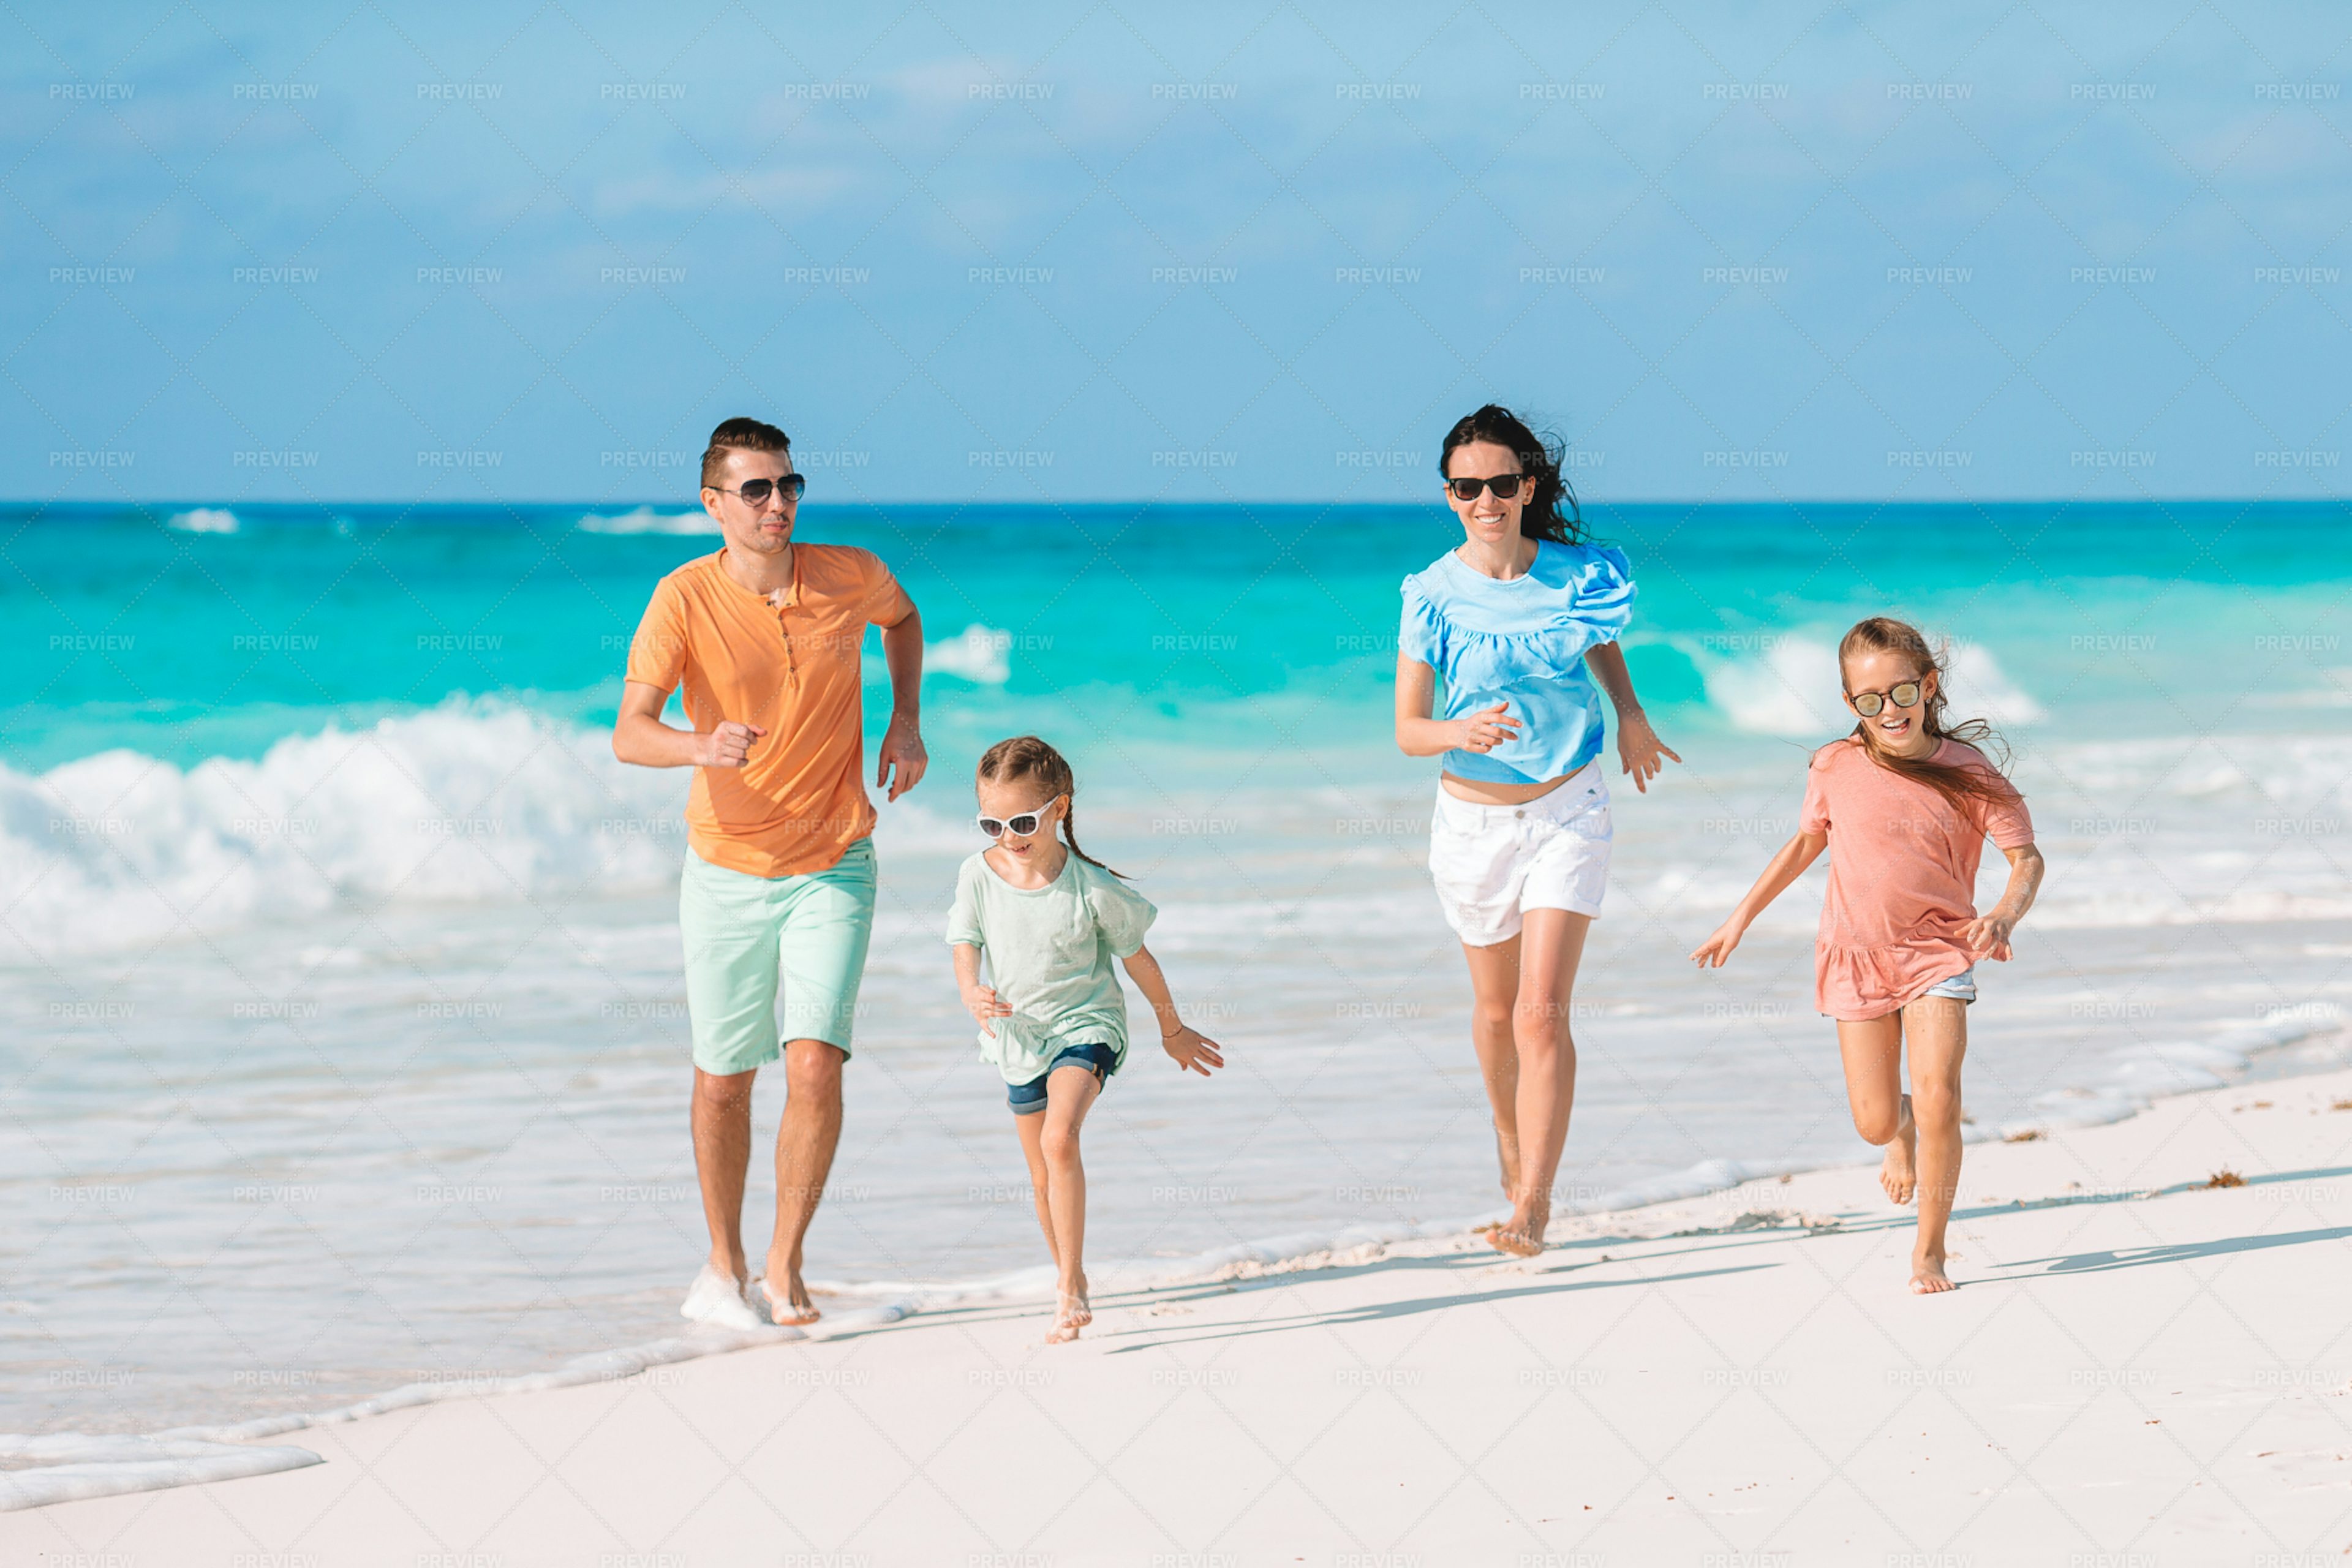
1900 1173
789 1307
1506 1150
1073 1312
1928 1276
717 1298
1523 1234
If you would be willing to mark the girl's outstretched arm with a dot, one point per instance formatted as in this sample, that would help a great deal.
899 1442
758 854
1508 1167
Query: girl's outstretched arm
1988 932
1638 746
1786 868
1189 1047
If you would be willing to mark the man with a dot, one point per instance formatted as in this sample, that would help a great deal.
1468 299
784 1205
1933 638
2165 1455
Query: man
765 638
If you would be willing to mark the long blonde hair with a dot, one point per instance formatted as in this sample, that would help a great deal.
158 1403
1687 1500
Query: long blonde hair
1969 789
1027 757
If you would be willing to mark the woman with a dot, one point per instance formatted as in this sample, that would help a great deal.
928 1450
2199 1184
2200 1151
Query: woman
1510 622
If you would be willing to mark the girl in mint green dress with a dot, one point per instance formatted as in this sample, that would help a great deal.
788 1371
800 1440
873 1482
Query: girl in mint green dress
1053 1019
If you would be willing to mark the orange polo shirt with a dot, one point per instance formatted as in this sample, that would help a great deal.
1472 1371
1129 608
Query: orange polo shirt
799 801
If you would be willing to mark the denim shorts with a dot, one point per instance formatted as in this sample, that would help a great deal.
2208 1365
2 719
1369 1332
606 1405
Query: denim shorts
1960 987
1029 1099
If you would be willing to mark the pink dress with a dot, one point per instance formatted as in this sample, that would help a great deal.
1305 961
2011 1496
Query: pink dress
1902 878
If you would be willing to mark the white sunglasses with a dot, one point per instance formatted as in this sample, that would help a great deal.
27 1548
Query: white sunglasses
1022 827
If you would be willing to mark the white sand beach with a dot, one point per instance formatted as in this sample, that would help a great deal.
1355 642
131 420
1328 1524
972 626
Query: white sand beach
2140 1368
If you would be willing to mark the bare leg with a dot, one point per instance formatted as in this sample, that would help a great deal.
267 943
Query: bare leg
1550 945
1032 1128
804 1145
1872 1051
1495 991
1069 1092
1937 1027
721 1119
1898 1174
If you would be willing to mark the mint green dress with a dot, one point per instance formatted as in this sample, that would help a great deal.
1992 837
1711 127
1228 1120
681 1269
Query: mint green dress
1049 954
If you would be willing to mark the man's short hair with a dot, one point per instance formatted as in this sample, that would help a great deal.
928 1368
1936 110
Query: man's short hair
740 436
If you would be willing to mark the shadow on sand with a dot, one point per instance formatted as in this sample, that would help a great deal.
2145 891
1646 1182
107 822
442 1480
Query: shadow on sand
1157 1338
2178 1252
1698 1242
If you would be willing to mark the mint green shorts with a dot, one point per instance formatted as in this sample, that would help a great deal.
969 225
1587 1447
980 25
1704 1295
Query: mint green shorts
745 935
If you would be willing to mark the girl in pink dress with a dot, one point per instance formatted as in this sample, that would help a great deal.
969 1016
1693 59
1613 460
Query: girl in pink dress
1908 802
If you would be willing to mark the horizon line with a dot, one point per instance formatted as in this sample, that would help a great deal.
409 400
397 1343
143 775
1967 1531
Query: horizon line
673 503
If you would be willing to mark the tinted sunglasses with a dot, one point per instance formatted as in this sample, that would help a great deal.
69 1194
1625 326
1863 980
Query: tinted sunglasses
1505 487
755 492
1021 827
1905 694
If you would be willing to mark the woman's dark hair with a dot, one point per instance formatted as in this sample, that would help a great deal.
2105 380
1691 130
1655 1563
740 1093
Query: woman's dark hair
1969 789
1027 757
1539 459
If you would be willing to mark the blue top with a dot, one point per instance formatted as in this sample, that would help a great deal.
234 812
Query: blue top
1523 639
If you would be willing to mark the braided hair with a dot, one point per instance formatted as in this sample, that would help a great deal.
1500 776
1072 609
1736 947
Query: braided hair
1025 757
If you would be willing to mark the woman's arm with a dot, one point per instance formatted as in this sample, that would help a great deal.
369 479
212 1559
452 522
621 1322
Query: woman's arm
1189 1047
1419 736
1988 932
1785 867
1638 746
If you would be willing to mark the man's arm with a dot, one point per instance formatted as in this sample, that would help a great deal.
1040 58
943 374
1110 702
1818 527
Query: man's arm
639 735
902 743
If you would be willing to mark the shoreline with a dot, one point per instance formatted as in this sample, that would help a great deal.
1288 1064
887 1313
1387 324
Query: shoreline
1691 1377
39 1471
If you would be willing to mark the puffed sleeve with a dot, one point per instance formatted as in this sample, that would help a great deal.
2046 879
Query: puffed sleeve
1594 604
964 916
1422 633
1601 603
1122 913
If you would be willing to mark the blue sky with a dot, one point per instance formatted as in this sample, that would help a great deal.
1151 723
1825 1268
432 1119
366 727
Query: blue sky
1194 252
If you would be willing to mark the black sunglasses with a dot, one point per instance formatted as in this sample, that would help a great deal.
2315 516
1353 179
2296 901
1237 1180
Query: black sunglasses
1903 694
755 492
1505 487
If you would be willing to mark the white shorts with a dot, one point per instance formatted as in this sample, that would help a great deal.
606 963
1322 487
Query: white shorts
1493 863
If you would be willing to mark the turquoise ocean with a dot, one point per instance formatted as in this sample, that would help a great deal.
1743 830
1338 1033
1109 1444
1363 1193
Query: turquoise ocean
344 1040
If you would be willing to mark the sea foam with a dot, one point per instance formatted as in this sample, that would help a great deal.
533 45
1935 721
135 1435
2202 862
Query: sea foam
646 519
977 654
1792 688
471 801
205 520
